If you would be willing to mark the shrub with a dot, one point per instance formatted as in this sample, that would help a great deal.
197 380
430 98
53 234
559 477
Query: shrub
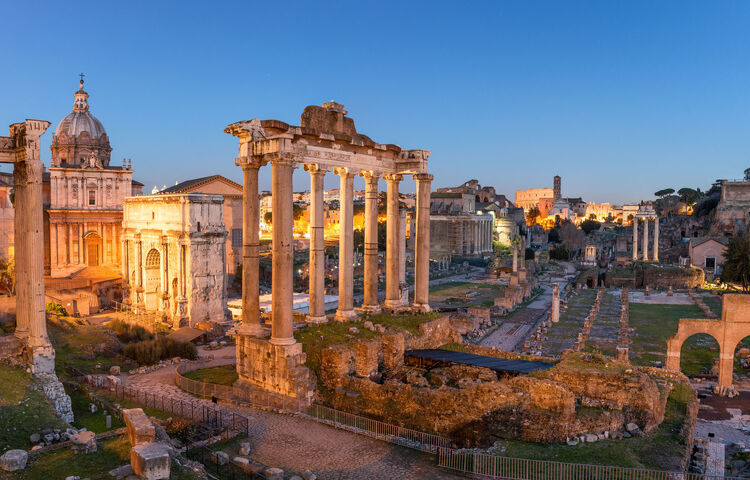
55 309
127 332
149 352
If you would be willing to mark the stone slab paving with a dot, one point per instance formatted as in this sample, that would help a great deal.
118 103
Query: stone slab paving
606 326
297 444
660 298
715 460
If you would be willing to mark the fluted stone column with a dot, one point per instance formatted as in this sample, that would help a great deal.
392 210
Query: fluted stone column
645 239
422 244
316 274
370 303
282 329
251 321
656 239
635 238
346 311
392 294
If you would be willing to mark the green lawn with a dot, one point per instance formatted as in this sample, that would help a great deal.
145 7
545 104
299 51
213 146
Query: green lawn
653 324
222 375
14 381
95 422
28 414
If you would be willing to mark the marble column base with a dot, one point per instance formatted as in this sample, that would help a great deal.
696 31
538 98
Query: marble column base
421 307
369 309
346 315
318 319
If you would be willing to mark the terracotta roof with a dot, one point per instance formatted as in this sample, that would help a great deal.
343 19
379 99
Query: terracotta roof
196 182
695 241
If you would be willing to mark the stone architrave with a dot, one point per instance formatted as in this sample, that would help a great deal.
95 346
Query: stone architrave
392 290
345 312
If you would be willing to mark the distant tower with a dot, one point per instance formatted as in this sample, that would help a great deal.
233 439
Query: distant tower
556 188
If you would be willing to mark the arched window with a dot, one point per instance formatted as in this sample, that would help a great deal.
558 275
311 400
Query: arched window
152 259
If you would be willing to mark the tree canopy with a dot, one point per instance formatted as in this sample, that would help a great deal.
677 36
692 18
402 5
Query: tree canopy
589 226
664 192
737 262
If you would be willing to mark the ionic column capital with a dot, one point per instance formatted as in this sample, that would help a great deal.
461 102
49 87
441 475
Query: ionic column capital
423 177
249 162
282 158
393 177
315 168
370 175
343 172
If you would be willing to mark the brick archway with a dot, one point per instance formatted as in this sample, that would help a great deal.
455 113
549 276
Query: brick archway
728 331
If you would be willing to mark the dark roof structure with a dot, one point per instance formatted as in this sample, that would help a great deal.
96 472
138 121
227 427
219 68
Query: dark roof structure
197 182
436 357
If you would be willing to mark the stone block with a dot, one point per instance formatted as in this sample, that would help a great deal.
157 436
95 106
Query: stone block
84 442
150 461
220 458
335 364
114 370
274 473
366 357
393 351
139 427
245 448
14 460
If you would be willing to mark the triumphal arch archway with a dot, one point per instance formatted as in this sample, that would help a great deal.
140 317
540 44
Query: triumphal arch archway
729 330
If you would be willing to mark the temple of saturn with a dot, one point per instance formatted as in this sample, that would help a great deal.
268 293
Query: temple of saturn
21 148
325 141
646 213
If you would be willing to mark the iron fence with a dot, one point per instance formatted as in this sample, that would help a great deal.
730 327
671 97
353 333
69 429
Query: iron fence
493 466
195 410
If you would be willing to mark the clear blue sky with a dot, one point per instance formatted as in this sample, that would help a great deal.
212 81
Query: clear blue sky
619 98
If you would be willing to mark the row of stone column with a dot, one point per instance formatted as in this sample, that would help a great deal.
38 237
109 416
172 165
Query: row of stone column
283 254
645 256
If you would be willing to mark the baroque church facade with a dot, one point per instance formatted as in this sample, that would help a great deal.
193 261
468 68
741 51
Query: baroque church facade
84 195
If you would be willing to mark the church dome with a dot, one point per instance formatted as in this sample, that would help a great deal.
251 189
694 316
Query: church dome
80 135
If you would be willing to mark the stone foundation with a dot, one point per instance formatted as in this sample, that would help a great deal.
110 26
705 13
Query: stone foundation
11 350
276 368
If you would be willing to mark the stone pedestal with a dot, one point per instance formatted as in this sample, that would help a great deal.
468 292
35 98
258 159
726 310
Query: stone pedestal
276 368
150 461
140 429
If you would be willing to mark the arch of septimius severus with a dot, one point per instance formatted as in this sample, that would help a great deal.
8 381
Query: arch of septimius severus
325 141
21 148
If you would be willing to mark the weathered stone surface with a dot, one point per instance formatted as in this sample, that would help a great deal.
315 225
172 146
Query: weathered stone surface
393 351
121 472
150 461
140 429
274 473
366 358
245 448
220 458
114 370
84 442
336 363
14 460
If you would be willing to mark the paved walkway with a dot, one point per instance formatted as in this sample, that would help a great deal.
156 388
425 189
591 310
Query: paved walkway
298 444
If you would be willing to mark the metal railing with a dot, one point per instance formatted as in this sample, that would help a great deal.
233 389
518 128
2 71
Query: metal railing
154 322
195 410
527 469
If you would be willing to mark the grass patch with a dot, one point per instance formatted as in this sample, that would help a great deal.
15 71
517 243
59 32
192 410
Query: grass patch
14 381
316 338
222 375
95 422
653 324
405 321
32 413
